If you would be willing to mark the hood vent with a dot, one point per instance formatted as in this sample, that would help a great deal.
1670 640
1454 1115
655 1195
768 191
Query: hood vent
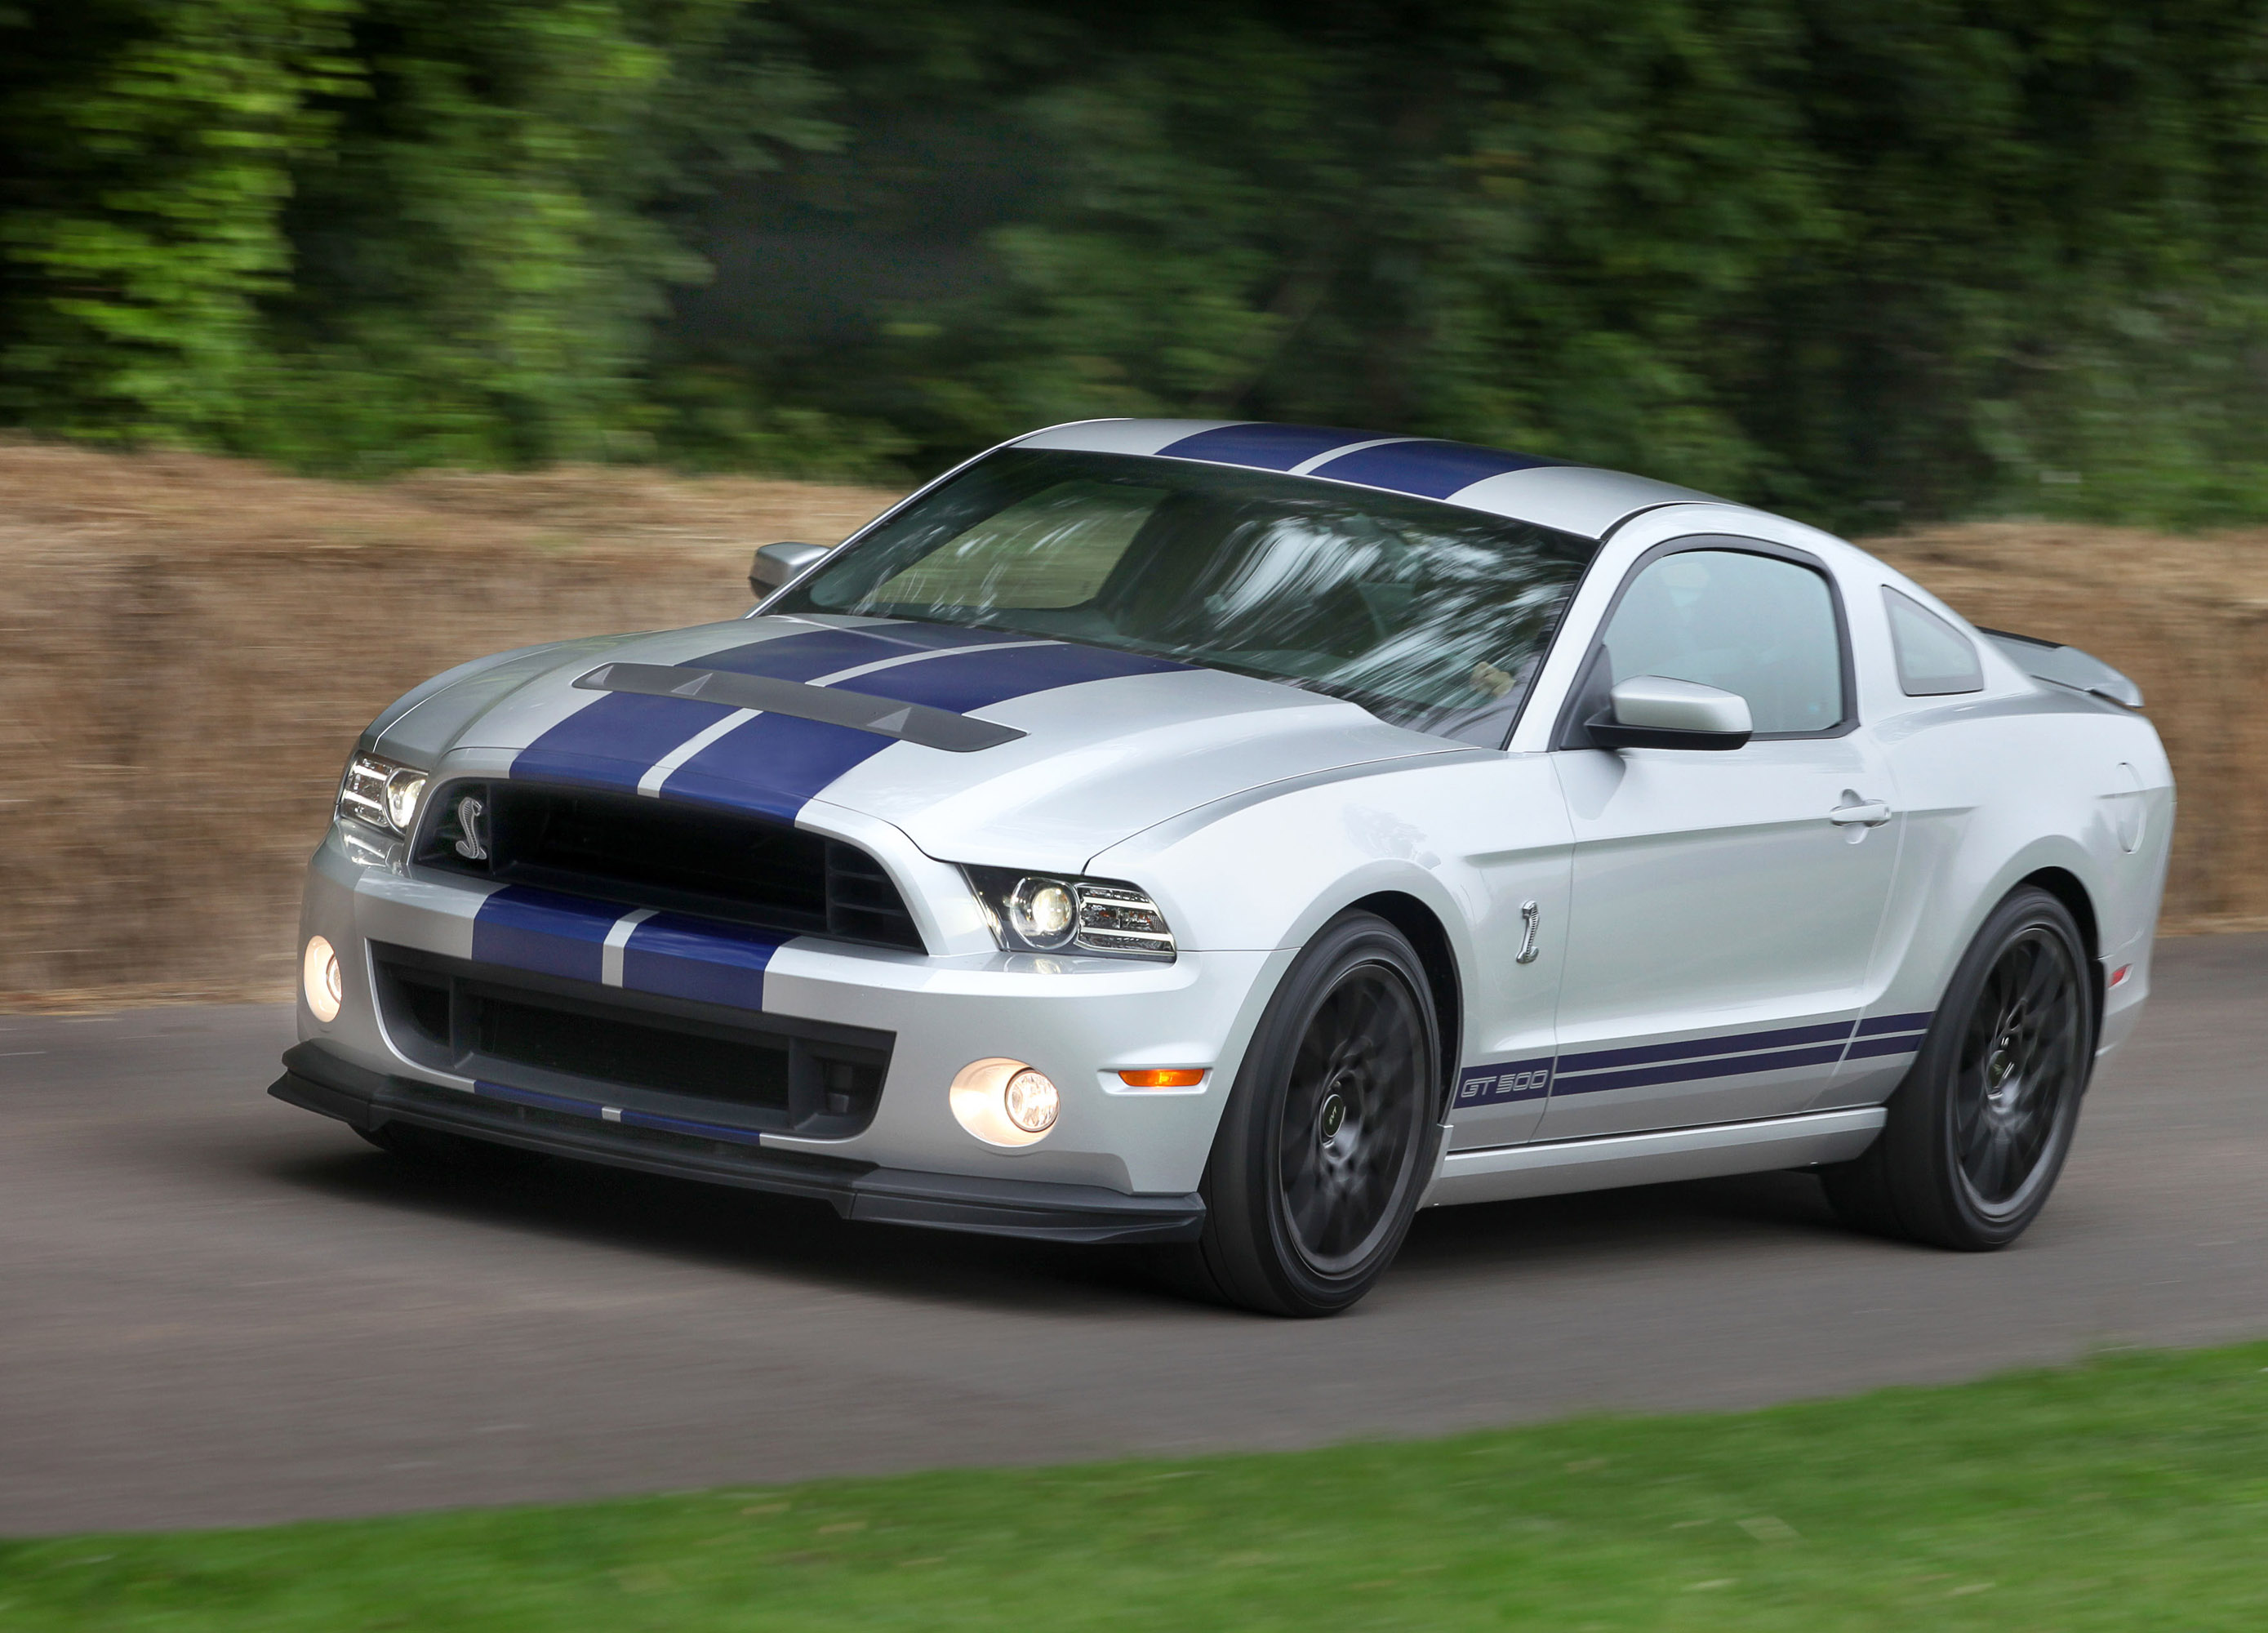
653 853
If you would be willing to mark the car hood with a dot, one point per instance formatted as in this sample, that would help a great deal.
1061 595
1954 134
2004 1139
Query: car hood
1108 743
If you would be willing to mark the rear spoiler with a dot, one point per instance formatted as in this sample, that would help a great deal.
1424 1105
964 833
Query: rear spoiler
2067 666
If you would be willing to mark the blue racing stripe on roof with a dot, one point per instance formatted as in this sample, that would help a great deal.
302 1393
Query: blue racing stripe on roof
544 931
678 956
1431 470
775 764
1264 447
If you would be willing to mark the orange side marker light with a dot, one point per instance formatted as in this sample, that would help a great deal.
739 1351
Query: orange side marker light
1167 1078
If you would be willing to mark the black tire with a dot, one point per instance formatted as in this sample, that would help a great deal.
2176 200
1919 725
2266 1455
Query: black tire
1978 1130
440 1149
1329 1134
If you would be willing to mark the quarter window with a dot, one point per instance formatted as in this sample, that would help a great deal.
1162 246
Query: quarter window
1935 659
1755 625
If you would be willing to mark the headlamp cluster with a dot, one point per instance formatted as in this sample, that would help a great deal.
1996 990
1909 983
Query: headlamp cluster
1061 913
383 794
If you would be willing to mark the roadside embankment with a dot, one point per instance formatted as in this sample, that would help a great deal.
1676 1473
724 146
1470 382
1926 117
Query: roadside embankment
188 645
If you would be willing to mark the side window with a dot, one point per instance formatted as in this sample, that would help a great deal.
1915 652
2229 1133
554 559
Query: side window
1935 659
1755 625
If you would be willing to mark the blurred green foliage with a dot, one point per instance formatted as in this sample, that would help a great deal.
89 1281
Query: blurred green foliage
1867 260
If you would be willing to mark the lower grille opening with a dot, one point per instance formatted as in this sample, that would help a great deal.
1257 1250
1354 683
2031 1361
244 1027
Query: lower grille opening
668 1057
578 1043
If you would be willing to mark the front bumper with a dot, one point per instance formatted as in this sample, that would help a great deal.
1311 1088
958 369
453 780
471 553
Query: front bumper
317 1079
1080 1020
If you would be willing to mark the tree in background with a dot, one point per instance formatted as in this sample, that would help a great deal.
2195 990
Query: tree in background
1865 260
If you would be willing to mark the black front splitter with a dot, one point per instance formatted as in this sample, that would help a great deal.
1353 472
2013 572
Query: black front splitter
317 1080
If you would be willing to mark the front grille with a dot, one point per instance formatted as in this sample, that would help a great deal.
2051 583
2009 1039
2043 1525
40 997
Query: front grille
669 1057
654 853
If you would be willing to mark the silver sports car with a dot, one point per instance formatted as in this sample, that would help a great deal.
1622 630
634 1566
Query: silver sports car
1235 837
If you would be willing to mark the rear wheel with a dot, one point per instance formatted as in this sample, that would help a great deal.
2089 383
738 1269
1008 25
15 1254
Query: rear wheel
1329 1132
1978 1131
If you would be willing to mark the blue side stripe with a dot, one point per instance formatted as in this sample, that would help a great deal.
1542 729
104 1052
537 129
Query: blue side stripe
633 1119
1431 470
1735 1043
541 930
1866 1046
1651 1064
775 764
1689 1071
1264 447
678 956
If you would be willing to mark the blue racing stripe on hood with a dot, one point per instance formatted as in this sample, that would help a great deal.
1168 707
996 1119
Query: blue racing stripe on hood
612 741
1262 446
776 764
680 957
543 932
1430 470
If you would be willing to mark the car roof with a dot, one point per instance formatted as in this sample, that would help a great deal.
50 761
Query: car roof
1582 499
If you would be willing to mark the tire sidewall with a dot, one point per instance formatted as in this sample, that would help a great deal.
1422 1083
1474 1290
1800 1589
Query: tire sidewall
1248 1246
1948 1211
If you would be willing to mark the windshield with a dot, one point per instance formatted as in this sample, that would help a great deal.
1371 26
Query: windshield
1428 615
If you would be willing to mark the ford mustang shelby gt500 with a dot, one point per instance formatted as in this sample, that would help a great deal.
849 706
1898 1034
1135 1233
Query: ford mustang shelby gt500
1236 836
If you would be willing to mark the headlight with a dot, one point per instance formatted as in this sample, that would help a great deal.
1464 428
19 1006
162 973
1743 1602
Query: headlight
1060 913
381 794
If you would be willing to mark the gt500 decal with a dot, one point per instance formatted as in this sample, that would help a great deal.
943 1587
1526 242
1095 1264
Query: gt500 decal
1504 1082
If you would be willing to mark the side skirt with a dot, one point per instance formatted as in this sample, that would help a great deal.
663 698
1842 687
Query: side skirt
1548 1170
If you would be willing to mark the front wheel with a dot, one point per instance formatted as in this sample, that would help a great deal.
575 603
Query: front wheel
1979 1130
1329 1134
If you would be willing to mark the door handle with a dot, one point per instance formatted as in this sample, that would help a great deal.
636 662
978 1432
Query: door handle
1868 813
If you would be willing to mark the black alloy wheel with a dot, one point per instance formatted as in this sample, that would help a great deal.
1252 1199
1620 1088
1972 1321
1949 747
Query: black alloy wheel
1978 1131
1329 1132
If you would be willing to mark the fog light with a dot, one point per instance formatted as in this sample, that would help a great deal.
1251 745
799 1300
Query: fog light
1030 1099
322 980
1004 1102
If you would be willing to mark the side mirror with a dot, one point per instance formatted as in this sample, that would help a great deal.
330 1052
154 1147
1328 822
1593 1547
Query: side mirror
1653 712
777 563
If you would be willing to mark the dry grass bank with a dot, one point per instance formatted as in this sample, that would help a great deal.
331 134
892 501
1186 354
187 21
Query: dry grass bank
188 647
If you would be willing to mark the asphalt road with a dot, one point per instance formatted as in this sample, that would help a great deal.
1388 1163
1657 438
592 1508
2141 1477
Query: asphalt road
217 1310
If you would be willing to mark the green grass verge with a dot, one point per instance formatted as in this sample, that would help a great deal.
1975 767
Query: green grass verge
2128 1492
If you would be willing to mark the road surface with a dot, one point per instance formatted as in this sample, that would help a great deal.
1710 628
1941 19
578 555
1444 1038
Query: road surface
217 1310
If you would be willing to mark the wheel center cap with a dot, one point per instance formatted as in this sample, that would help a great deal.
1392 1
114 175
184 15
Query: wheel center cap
1334 1114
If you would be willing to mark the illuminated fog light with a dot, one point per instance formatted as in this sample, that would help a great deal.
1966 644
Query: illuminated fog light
1030 1099
403 790
323 981
1042 912
1004 1102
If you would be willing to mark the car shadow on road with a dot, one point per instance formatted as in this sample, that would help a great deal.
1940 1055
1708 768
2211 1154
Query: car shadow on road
806 1241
